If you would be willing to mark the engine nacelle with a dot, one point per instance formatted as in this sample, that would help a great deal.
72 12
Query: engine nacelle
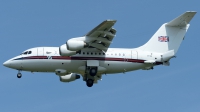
63 51
75 45
61 72
69 77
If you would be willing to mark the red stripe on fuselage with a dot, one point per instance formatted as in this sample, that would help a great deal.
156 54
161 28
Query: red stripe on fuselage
89 58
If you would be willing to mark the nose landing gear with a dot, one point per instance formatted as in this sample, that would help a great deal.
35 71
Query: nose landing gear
19 75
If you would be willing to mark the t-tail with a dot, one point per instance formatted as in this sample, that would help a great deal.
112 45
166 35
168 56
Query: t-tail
169 36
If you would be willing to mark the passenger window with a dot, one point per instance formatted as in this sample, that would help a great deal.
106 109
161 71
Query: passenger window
99 53
91 53
95 53
83 52
103 53
29 52
87 52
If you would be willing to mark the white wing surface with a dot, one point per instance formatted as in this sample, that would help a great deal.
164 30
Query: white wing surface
102 35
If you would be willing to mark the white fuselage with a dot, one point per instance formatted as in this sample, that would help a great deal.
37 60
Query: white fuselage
91 56
47 59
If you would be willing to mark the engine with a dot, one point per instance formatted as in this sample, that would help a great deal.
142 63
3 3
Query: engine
75 45
71 47
65 52
69 77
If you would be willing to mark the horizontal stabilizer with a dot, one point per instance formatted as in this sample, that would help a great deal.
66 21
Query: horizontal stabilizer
182 20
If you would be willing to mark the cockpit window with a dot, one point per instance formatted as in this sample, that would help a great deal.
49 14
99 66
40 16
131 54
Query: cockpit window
26 52
29 52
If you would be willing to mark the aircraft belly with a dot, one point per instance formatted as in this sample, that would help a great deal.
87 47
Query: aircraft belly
50 65
72 66
120 67
38 65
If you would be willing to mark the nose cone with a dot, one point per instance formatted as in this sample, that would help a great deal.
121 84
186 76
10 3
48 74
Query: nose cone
14 64
7 64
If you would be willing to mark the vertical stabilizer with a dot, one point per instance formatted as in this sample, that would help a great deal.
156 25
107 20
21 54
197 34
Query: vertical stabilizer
170 35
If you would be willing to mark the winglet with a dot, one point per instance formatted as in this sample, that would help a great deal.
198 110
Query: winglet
182 20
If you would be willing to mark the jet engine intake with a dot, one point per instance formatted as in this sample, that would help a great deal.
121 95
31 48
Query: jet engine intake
69 77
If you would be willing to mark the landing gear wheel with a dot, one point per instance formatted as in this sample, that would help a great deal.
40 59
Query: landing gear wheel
89 82
93 71
19 75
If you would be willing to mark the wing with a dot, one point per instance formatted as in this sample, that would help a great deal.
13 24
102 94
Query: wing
102 35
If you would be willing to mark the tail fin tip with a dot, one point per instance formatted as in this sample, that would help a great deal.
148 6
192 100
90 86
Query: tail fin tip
182 20
170 35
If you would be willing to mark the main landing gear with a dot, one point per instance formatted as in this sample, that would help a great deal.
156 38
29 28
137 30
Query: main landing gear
90 74
89 82
93 71
19 75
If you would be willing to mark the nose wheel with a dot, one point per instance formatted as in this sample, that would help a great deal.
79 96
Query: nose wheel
19 75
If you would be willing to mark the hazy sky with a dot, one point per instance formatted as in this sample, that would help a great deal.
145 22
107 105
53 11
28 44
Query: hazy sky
25 24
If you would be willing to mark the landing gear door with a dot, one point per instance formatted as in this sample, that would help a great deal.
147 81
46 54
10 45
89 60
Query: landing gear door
40 51
134 54
93 63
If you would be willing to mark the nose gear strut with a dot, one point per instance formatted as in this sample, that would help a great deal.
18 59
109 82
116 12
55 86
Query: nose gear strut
19 75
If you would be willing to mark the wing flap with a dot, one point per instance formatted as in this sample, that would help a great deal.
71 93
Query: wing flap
101 36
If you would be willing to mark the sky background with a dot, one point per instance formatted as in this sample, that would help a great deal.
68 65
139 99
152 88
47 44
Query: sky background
25 24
